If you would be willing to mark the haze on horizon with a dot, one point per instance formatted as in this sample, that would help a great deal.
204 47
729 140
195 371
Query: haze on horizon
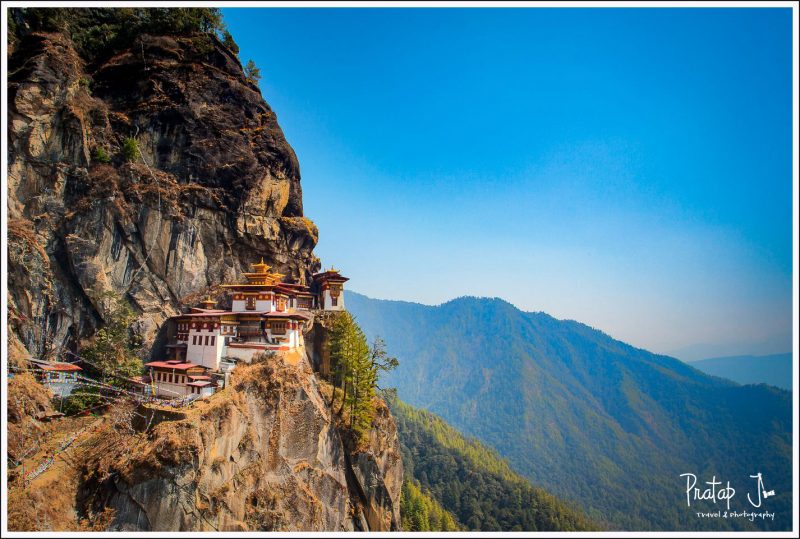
627 168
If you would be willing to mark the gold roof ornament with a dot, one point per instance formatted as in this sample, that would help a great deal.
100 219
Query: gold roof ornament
209 302
261 267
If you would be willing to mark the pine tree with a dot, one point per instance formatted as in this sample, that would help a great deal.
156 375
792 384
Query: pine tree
355 369
251 72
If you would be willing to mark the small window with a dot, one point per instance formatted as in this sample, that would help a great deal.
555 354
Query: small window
334 301
213 340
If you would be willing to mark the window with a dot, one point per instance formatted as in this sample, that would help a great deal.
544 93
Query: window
194 340
250 305
206 340
278 328
213 340
334 301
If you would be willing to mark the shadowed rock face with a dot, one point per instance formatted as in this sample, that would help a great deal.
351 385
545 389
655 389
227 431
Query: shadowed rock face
216 188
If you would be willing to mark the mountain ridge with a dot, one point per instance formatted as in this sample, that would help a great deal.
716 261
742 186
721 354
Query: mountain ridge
772 369
588 412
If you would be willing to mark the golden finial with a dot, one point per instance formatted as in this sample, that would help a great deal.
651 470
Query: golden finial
261 267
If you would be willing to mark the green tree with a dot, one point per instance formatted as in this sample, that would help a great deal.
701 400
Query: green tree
419 512
101 32
380 359
356 367
227 40
100 156
251 72
130 149
113 350
82 398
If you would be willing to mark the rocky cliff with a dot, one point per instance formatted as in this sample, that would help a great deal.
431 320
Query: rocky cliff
215 185
263 454
154 170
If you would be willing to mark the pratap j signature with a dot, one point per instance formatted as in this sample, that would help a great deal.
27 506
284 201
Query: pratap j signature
715 492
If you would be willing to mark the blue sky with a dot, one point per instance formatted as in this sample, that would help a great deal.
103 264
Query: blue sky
627 168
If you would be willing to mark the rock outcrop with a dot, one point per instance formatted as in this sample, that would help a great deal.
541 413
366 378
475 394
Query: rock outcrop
214 188
264 454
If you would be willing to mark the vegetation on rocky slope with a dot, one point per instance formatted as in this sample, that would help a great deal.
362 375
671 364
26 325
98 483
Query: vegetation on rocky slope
421 513
471 481
356 367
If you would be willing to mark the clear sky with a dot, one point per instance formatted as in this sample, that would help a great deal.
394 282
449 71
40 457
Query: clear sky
627 168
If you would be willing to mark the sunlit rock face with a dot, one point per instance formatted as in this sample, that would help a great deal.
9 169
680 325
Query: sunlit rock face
215 188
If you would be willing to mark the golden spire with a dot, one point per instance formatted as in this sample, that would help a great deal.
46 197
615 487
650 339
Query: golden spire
261 267
208 303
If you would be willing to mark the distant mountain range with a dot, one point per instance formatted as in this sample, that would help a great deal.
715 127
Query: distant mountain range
589 418
775 369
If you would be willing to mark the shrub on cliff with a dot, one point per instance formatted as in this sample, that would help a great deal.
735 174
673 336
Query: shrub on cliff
251 72
113 349
227 40
101 156
101 32
81 399
130 149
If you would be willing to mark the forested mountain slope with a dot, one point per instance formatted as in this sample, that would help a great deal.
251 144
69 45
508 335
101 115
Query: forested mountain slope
589 418
472 482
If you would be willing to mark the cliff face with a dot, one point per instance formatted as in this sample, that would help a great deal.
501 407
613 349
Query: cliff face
262 455
216 186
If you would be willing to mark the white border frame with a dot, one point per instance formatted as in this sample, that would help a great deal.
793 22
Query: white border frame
395 4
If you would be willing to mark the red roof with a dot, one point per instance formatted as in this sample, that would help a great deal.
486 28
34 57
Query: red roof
330 275
293 285
61 367
196 315
276 314
177 365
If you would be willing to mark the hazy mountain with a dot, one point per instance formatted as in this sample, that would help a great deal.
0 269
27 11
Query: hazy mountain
775 369
587 417
772 344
